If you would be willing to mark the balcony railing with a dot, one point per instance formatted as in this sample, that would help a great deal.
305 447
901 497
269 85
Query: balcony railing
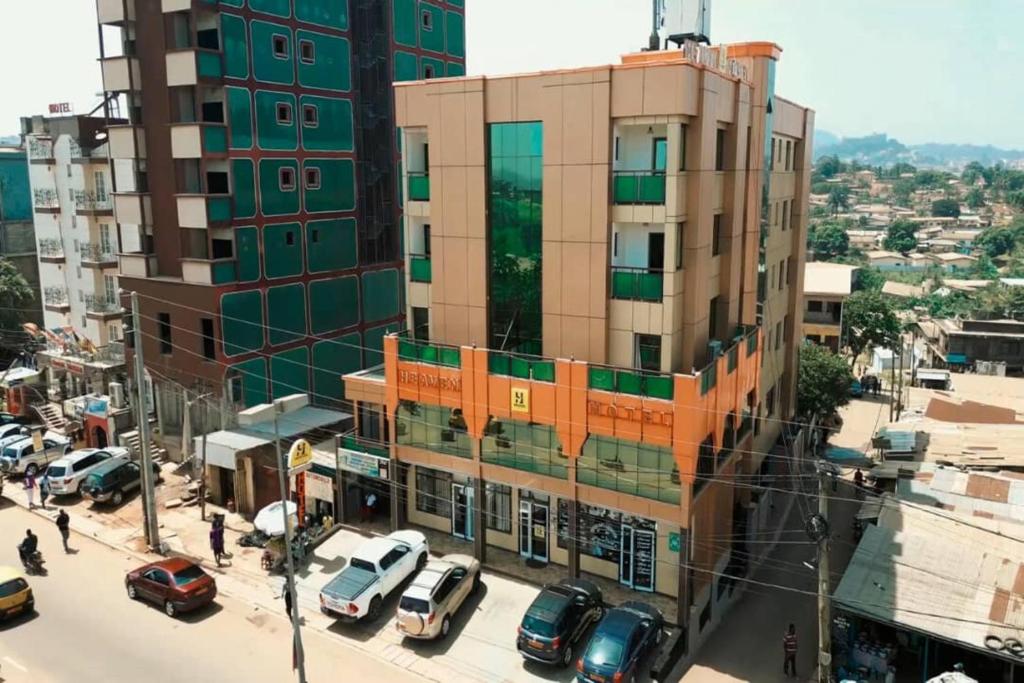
101 304
353 442
823 317
523 367
638 187
419 268
92 201
636 383
97 253
637 284
419 187
113 352
51 247
40 149
79 153
55 296
424 352
45 199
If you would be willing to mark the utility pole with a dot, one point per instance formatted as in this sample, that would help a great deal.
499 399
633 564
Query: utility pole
202 482
148 493
202 471
818 528
899 395
282 468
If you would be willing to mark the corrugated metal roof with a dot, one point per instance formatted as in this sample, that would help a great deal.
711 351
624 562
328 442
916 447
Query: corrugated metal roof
304 419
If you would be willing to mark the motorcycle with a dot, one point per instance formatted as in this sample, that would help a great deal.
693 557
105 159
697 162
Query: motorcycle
34 563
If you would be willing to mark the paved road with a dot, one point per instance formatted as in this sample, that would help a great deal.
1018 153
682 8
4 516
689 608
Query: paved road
86 629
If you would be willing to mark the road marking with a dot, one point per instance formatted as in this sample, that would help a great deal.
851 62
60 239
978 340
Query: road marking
17 666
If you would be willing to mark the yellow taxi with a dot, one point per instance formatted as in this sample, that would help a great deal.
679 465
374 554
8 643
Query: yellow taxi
15 595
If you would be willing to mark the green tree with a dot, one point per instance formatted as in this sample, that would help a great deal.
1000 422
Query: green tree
928 179
984 269
902 190
829 166
15 295
946 208
823 383
999 240
839 198
971 173
867 279
821 187
975 198
869 320
828 240
1016 199
900 236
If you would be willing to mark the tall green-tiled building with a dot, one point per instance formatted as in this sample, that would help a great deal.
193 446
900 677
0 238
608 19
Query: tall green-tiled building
256 183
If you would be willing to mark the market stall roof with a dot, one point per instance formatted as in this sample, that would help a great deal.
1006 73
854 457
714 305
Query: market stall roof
222 446
16 376
960 579
305 419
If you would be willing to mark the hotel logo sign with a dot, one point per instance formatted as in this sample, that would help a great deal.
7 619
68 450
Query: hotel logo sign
429 381
520 400
631 413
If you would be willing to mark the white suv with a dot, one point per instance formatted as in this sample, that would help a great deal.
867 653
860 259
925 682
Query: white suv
21 457
67 474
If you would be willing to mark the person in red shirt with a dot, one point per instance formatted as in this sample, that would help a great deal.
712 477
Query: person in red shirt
789 648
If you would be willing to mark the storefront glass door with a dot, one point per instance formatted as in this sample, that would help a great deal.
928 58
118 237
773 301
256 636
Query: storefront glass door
636 558
462 511
533 530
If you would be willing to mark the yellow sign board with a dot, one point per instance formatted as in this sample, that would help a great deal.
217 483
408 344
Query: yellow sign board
300 456
520 400
37 440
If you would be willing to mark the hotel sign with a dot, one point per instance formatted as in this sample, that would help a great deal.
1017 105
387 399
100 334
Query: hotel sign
429 381
520 400
631 413
713 58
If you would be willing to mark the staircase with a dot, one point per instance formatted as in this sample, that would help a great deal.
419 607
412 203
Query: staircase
133 442
51 417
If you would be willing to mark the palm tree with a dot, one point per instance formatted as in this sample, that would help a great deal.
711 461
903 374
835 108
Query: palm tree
839 199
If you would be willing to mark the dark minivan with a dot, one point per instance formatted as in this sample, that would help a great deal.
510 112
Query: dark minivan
111 481
557 619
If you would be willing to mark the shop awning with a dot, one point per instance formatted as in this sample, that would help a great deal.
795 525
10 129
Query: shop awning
222 446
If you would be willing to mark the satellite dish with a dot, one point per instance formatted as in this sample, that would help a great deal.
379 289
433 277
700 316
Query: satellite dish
816 528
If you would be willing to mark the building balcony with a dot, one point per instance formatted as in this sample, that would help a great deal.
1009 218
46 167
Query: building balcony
209 271
353 443
638 187
637 284
133 208
195 140
419 187
51 250
823 317
97 256
115 12
56 299
126 142
99 307
40 151
93 204
121 74
84 155
192 66
203 210
137 264
45 201
419 268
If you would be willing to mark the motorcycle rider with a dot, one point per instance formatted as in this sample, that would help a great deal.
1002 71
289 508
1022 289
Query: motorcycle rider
27 547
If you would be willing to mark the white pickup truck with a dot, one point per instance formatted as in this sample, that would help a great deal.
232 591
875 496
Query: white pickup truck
374 570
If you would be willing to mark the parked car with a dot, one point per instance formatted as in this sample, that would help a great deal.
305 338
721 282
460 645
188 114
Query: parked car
373 572
430 602
557 619
21 457
176 584
623 640
14 429
10 418
15 595
66 475
113 479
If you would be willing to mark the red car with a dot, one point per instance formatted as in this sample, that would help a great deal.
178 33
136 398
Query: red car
176 583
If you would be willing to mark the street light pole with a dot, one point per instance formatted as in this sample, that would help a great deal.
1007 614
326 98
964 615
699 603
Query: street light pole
282 467
148 493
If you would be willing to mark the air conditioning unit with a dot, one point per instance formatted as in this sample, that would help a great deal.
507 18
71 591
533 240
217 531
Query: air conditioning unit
116 392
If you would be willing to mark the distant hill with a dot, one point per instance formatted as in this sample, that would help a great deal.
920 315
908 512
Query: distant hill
881 150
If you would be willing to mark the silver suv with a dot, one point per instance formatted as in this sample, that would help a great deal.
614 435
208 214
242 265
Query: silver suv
431 600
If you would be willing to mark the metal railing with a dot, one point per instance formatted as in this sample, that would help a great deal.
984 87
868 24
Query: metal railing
92 201
55 296
637 284
51 247
419 187
419 268
99 303
79 152
353 442
97 253
638 187
45 199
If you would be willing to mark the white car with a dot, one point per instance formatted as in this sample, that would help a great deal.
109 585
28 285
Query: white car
374 570
67 474
20 457
14 429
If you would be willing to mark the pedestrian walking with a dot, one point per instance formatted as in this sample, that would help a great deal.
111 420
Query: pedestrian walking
789 648
287 595
858 481
64 525
30 489
217 542
44 490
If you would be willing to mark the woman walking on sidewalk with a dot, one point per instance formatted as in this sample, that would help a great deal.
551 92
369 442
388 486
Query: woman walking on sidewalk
217 542
44 490
30 489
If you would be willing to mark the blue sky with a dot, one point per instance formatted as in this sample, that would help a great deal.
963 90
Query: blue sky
920 70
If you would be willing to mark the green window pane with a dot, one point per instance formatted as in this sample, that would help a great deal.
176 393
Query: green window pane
332 130
239 117
498 363
253 374
333 304
602 378
544 371
333 358
431 24
405 66
454 69
455 34
519 367
247 251
380 295
330 66
215 139
628 383
235 45
242 321
660 387
337 191
329 13
218 209
286 313
275 197
660 154
273 130
331 244
419 269
435 66
267 66
279 8
289 372
243 181
428 354
405 22
282 250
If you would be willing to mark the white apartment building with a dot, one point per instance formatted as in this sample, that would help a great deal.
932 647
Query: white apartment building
77 236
